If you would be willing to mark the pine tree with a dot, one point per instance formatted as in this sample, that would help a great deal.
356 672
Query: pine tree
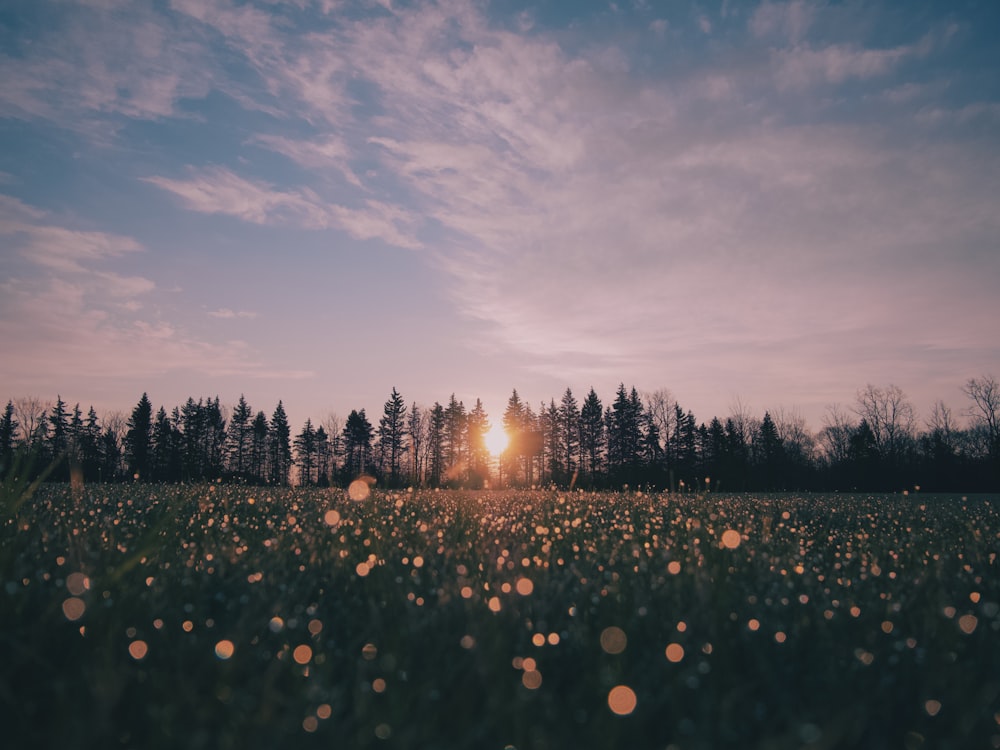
569 435
768 454
551 469
592 436
111 456
477 425
90 447
435 444
238 439
192 421
625 435
162 447
305 453
8 431
715 458
358 434
138 440
324 457
258 467
75 436
415 429
455 440
279 447
215 438
59 432
391 435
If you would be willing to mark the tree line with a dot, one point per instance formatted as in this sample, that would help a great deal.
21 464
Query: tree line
640 440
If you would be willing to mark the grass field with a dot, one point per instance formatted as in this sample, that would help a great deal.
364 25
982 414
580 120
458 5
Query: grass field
231 617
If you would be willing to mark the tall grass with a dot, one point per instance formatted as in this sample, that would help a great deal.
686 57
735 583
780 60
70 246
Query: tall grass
475 620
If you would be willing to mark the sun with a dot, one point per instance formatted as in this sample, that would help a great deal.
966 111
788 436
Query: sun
496 440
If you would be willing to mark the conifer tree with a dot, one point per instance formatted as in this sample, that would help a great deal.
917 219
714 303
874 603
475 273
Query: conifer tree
391 435
138 440
324 457
455 439
305 453
358 434
592 437
8 431
435 444
568 434
415 429
258 467
238 438
477 425
279 447
59 432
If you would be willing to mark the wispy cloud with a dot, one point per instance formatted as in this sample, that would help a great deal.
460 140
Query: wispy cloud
226 314
800 67
83 67
67 311
55 247
218 190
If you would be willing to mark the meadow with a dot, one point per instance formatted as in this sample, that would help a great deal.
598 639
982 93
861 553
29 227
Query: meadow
215 616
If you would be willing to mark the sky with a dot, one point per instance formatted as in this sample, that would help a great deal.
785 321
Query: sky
768 204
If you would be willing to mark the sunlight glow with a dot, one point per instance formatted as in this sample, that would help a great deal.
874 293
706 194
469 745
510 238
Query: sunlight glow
496 440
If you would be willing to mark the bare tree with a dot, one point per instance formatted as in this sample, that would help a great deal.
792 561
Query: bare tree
985 409
794 434
660 410
115 422
745 424
889 414
334 426
941 420
835 437
31 416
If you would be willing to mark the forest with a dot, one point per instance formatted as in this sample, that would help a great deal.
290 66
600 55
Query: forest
643 440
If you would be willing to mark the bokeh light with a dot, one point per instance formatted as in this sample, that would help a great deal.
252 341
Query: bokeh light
622 700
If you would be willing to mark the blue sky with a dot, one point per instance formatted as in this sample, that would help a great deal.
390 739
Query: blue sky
316 200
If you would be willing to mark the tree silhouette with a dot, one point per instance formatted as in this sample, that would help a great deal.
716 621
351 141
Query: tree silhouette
984 393
656 445
435 444
391 436
416 429
138 439
8 433
592 437
305 453
358 435
259 431
477 425
279 447
568 435
238 439
768 455
455 442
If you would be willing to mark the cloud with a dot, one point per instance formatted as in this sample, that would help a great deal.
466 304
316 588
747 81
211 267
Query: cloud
628 221
66 312
53 325
329 151
218 190
788 21
55 247
800 67
101 60
226 314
